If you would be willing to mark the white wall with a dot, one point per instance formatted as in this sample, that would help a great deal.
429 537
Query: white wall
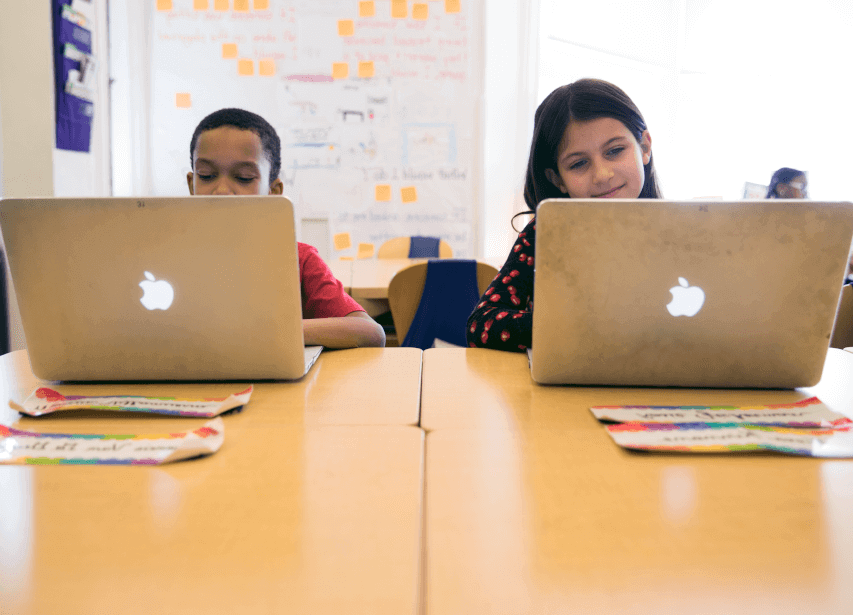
509 100
29 164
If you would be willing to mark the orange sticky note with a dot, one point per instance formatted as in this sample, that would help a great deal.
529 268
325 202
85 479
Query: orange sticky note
201 5
266 67
452 6
229 50
345 27
245 67
366 8
408 194
365 70
241 5
420 10
399 9
340 70
164 5
365 250
262 5
183 100
342 241
220 5
383 192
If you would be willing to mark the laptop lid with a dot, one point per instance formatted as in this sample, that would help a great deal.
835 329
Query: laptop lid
183 288
697 293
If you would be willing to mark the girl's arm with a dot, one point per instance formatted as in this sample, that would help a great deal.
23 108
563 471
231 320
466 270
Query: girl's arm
355 330
503 319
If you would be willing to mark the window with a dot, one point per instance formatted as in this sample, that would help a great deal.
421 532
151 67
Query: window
731 89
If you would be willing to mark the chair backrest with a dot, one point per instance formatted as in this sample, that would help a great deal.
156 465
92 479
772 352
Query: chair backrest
842 335
406 289
399 248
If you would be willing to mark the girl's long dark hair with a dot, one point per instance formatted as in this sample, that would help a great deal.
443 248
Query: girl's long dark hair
583 100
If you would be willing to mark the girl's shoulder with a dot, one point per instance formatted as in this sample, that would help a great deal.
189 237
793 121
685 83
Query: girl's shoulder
529 230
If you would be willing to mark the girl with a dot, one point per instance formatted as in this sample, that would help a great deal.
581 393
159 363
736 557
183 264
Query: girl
787 183
589 141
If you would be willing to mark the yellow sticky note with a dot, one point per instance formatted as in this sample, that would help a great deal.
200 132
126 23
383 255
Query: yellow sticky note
266 68
229 50
183 100
383 192
345 27
452 6
366 8
420 10
245 67
220 5
365 250
241 5
399 9
201 5
340 70
408 194
164 5
262 5
365 70
342 241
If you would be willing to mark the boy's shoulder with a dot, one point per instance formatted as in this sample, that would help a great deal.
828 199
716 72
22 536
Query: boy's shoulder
306 251
309 258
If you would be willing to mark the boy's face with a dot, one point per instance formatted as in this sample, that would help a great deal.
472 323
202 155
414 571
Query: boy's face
229 160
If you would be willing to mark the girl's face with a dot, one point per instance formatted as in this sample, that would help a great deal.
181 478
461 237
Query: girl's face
601 159
797 188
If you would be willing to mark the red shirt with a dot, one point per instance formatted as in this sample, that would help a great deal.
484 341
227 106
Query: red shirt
323 296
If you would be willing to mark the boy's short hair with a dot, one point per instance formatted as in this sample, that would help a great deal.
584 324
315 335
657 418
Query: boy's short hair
243 120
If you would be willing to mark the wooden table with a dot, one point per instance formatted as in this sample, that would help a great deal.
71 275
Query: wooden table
532 508
357 386
291 515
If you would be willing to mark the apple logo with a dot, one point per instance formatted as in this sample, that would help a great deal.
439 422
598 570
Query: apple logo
686 300
156 295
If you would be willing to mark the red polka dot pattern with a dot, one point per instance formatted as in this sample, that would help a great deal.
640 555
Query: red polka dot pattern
503 318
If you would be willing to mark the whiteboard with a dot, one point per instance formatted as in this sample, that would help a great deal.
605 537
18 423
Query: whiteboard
377 105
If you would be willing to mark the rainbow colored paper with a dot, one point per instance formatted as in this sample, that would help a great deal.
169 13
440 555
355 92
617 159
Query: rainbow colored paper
807 427
809 412
45 401
33 448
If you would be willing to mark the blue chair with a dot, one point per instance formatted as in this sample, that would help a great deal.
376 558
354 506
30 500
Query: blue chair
415 247
432 301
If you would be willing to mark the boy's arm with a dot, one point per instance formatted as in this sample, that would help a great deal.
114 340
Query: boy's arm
355 330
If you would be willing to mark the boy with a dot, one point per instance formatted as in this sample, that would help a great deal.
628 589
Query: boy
233 151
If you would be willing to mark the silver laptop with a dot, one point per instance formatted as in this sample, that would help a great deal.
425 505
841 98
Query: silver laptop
183 288
696 293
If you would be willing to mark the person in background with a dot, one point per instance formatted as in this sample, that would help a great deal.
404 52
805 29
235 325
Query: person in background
788 183
234 152
589 141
